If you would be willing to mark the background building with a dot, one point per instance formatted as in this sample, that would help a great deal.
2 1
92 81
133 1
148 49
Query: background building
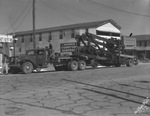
5 43
61 36
143 46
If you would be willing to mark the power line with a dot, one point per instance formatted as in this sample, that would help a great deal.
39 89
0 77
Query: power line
24 17
106 6
21 13
51 7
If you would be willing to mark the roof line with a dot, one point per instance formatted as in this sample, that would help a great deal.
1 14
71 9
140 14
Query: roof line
79 25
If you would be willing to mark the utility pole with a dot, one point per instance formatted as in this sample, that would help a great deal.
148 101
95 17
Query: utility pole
33 16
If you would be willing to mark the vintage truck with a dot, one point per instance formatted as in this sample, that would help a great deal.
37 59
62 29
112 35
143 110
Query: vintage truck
91 50
34 59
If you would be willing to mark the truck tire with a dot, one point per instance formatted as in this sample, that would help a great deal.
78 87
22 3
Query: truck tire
129 63
81 64
27 67
73 65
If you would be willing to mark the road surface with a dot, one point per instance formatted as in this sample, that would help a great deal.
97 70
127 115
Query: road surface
100 92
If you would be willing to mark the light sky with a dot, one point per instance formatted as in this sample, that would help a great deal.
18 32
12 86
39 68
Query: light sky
132 15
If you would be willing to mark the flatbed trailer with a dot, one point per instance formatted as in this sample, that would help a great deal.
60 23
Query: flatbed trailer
92 51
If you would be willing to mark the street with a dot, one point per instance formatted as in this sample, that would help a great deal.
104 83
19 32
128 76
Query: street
106 91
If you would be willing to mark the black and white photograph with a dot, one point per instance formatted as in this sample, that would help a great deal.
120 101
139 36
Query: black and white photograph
74 57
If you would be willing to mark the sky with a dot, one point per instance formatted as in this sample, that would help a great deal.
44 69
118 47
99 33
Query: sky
132 15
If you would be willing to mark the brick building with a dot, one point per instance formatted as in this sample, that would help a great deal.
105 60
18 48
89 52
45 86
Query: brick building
64 34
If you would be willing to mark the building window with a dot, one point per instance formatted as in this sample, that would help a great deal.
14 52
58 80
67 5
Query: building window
72 33
50 36
145 43
19 49
31 39
22 39
148 43
61 35
140 43
40 37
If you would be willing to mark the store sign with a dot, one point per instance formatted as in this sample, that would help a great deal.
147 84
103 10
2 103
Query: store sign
129 42
6 38
68 47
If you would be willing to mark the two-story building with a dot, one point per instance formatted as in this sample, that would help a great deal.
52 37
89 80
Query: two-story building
143 46
62 35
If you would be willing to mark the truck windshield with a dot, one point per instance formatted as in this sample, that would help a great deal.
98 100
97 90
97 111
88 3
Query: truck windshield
30 53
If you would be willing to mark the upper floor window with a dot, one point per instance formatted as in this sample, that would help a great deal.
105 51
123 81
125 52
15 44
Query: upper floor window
61 35
50 36
145 43
72 33
40 37
22 39
31 39
140 43
19 49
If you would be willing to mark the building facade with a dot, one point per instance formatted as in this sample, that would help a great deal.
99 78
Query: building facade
60 36
143 46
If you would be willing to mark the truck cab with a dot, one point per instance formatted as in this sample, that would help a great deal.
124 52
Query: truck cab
34 59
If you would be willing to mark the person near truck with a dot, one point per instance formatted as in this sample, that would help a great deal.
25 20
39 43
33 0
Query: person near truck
5 62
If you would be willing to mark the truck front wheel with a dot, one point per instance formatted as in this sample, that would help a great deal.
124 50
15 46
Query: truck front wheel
73 65
81 65
27 67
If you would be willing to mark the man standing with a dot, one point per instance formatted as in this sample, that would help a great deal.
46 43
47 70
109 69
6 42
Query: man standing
50 46
5 64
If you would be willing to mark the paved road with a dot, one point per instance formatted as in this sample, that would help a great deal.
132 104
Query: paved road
100 92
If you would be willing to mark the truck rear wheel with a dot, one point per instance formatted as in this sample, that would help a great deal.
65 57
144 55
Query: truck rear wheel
27 67
81 64
73 65
129 63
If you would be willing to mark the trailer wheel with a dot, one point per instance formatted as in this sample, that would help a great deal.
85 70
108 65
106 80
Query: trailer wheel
73 65
27 67
81 65
129 63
